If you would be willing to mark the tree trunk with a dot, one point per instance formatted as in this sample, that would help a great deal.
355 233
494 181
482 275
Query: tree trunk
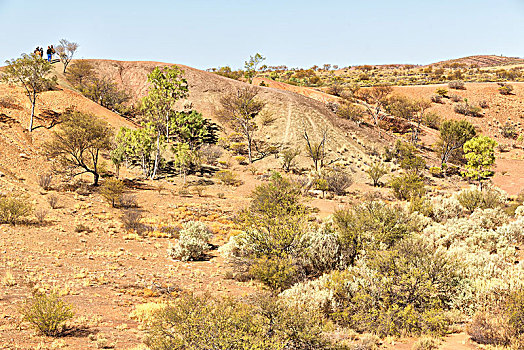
33 103
96 176
249 141
157 156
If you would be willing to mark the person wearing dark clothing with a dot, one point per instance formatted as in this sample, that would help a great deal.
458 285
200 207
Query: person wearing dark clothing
49 53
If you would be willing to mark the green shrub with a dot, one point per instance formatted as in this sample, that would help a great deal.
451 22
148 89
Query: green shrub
435 171
432 120
400 291
278 273
505 89
407 186
227 177
441 92
193 241
112 190
370 225
474 198
47 313
203 323
289 158
376 171
13 210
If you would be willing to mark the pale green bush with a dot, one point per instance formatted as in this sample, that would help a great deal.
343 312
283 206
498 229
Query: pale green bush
444 208
427 343
192 242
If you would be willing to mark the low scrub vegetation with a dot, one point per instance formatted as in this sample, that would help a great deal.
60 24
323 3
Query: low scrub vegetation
47 313
14 210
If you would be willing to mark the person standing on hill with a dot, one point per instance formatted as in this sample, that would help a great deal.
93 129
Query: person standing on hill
50 52
41 52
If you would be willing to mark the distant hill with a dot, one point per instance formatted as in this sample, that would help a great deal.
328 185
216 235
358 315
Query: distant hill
481 61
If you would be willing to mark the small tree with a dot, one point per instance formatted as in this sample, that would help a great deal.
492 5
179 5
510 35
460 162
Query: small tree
167 86
65 51
480 154
375 100
289 158
240 109
316 150
251 66
79 142
376 171
31 72
80 73
112 191
137 147
453 136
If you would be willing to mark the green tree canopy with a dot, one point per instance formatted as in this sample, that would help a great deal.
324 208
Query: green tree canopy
31 72
480 154
79 142
453 135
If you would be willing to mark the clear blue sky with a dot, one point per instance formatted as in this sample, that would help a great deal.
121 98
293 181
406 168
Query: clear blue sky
211 33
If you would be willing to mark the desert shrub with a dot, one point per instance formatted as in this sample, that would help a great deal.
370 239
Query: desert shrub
432 120
241 160
427 343
351 111
444 208
193 241
468 110
199 190
376 171
53 201
509 130
112 191
45 180
437 98
505 89
82 228
47 313
457 85
436 171
441 92
210 153
502 322
367 341
486 328
473 198
277 273
370 225
227 177
407 186
289 158
402 306
193 322
131 219
455 98
337 180
40 214
483 104
274 225
128 201
13 210
406 155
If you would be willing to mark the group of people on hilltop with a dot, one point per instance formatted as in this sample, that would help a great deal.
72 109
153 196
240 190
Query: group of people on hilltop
50 52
